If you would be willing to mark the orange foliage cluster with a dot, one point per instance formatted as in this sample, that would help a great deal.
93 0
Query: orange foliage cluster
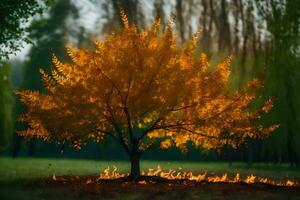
139 85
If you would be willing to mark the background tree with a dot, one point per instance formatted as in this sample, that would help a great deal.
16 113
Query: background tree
283 78
259 36
139 87
13 17
49 35
6 104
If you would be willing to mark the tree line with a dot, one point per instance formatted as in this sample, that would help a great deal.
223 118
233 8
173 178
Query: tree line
262 36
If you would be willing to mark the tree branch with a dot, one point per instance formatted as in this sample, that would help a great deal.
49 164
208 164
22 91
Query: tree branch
182 108
150 128
123 102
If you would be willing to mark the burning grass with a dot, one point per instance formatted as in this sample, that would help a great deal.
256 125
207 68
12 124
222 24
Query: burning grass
154 176
37 178
157 184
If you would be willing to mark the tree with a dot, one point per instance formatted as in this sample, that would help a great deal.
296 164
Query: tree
140 89
6 104
49 35
13 16
282 79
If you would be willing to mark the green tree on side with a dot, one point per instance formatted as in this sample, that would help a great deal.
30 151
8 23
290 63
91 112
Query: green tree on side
6 103
283 78
14 15
49 35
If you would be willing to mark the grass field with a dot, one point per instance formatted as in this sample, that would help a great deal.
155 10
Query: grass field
17 175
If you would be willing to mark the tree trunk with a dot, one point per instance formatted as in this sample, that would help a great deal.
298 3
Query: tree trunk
224 29
236 42
179 10
135 156
16 145
135 166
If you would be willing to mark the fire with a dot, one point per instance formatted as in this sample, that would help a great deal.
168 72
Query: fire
54 177
179 175
107 174
250 179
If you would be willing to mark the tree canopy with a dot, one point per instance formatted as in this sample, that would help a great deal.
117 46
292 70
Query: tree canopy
6 104
140 87
13 17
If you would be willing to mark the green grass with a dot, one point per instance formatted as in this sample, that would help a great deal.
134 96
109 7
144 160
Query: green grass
16 175
12 169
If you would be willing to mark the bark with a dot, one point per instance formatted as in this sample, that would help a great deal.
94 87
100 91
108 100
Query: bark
224 29
159 11
245 42
253 32
203 21
236 28
16 145
243 59
180 20
213 23
292 151
31 147
135 156
135 166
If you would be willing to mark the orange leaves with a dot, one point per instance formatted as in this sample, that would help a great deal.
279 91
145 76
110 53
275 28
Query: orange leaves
165 144
155 134
223 69
57 63
203 62
154 27
36 130
268 105
140 83
48 81
28 95
124 19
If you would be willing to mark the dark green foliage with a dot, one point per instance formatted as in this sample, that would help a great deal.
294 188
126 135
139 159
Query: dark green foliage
278 52
49 35
14 14
6 103
283 78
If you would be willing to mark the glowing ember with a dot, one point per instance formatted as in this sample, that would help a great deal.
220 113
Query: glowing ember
179 175
54 177
250 179
107 174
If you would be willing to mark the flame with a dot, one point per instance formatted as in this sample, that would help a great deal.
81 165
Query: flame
107 174
290 183
54 177
143 182
179 175
250 179
88 181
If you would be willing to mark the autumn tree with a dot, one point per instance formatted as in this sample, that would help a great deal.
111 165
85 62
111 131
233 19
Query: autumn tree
141 89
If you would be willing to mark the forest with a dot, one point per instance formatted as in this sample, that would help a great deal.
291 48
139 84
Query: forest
262 37
149 99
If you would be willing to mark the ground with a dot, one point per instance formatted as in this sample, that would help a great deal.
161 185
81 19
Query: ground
24 178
